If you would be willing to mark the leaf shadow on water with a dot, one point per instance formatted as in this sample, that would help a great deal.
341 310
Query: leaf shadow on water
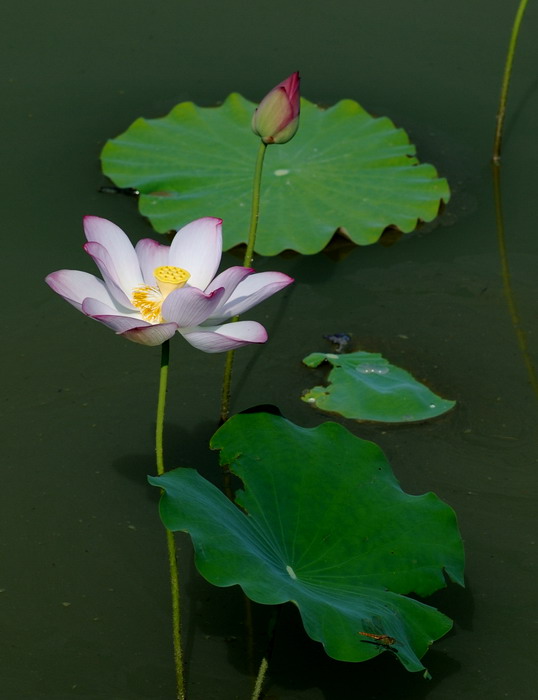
191 448
457 603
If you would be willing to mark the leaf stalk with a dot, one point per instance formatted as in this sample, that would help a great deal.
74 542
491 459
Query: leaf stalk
506 81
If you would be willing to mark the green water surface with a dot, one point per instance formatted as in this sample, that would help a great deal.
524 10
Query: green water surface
85 604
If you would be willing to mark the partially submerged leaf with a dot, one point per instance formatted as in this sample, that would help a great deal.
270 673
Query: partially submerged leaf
325 525
365 386
343 169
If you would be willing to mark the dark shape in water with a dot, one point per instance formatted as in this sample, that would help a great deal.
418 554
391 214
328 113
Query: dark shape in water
339 340
112 189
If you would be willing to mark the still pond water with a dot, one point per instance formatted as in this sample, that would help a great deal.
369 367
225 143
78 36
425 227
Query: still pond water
84 599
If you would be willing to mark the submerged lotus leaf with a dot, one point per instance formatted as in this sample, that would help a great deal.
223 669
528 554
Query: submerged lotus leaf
343 169
324 524
365 386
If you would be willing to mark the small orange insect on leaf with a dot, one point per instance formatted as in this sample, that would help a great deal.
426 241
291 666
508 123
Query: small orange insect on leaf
381 639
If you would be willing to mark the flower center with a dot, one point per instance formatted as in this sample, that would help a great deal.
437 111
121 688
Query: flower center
149 300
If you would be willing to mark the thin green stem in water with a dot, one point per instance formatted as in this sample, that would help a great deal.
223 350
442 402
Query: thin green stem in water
260 679
506 80
501 238
264 665
170 543
247 261
507 281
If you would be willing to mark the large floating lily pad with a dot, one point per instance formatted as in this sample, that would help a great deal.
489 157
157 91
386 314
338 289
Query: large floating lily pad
343 168
325 525
365 386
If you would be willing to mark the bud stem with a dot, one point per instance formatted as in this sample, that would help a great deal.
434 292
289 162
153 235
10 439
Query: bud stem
253 226
255 207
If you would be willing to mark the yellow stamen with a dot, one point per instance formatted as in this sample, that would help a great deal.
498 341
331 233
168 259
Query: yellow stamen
170 277
149 300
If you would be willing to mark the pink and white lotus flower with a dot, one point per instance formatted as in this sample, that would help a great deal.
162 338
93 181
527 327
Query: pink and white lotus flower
150 292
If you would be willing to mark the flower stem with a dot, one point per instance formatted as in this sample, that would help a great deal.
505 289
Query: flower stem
170 542
226 388
247 261
176 616
161 403
506 80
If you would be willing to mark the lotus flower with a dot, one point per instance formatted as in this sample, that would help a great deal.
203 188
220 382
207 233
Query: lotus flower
276 118
151 291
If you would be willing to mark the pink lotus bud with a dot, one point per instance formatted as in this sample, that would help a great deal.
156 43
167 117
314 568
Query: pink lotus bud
276 118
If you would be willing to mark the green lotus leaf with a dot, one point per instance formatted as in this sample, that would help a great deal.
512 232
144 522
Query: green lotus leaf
343 169
323 523
365 386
